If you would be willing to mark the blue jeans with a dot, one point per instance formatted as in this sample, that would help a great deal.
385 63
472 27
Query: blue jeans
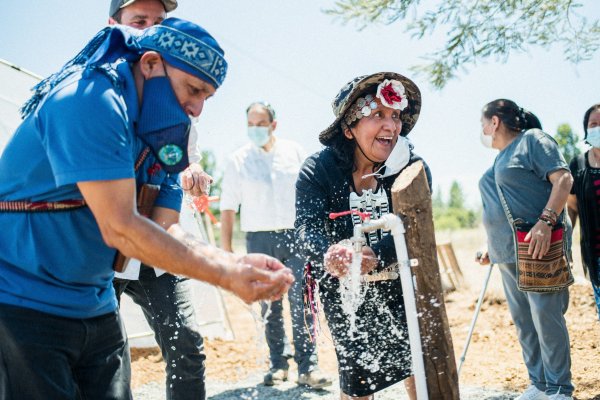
43 356
542 331
167 306
597 288
280 244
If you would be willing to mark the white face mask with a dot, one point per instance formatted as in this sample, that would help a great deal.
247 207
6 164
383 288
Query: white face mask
259 135
398 159
593 136
486 140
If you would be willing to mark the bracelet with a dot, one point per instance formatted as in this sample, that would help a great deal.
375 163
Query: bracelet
549 218
551 211
546 221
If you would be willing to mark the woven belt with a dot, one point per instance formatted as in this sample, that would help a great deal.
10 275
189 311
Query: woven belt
141 158
41 206
52 206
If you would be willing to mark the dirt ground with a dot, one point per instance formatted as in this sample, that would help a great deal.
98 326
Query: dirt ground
493 359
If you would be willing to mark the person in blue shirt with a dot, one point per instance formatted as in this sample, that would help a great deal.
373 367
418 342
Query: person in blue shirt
166 299
68 187
529 180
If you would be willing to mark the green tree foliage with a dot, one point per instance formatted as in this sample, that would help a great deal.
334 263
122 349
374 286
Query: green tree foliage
567 141
457 198
479 29
437 200
453 215
208 162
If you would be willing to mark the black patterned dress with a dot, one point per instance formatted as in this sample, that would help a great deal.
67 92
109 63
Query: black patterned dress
377 353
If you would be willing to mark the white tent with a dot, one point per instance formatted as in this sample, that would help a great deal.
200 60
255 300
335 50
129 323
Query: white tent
15 85
14 91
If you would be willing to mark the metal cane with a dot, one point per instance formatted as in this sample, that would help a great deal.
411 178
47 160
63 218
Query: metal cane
477 309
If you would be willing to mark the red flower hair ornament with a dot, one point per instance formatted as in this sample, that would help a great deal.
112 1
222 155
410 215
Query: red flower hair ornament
391 94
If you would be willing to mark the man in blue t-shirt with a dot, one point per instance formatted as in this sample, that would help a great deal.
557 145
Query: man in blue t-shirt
165 298
68 187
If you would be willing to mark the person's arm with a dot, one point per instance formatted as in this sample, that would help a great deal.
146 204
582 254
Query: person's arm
540 234
227 222
164 217
572 209
311 211
251 278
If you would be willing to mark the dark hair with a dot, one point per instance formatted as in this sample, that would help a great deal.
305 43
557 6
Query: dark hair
265 106
117 16
586 117
343 148
512 116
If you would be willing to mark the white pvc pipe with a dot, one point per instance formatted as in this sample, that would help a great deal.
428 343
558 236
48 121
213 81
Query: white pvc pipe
395 225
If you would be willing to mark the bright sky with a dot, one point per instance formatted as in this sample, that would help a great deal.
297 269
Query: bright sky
294 56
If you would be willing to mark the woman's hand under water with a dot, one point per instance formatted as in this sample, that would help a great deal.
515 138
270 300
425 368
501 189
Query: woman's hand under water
338 259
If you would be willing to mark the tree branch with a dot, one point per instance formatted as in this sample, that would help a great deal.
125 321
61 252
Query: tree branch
473 33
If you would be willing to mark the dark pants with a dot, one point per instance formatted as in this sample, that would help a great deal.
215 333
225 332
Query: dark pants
43 356
167 306
280 244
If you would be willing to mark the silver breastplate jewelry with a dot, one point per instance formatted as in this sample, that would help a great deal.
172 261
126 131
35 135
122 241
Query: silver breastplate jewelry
376 204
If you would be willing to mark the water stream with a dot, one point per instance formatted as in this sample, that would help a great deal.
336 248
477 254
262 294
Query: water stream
351 291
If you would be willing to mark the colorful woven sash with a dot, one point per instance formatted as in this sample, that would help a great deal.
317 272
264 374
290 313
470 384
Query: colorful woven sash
53 206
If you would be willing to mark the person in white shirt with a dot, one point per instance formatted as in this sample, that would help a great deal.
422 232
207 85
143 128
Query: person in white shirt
260 181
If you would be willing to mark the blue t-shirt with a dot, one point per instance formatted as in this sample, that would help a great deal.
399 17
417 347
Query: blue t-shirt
521 169
499 233
57 262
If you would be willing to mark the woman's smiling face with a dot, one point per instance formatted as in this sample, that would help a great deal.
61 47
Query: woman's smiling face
376 134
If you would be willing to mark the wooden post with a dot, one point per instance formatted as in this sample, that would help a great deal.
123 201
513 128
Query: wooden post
445 269
412 202
454 263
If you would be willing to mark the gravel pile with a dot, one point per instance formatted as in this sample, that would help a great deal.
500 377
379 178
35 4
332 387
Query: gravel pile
250 390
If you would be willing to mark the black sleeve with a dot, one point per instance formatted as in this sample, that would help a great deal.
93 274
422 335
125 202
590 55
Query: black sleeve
311 200
385 250
574 168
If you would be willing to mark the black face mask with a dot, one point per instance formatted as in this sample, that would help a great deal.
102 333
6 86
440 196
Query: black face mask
163 125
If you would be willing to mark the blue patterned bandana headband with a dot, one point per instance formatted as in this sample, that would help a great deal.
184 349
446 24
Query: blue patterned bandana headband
182 44
186 52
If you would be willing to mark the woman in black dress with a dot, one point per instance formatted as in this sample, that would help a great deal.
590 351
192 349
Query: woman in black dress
355 171
585 196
